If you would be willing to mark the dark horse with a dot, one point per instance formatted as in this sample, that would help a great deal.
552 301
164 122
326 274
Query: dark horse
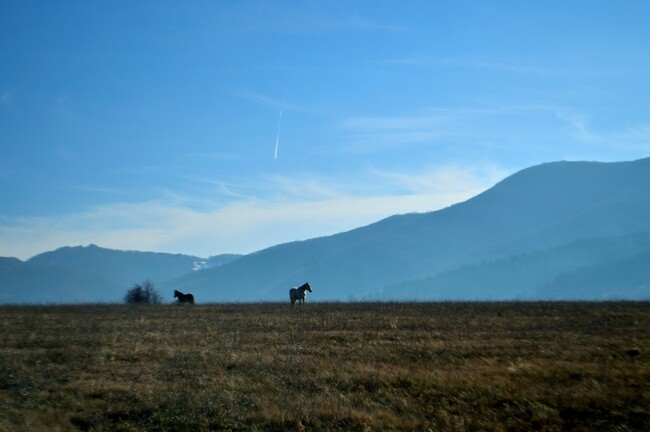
184 298
299 293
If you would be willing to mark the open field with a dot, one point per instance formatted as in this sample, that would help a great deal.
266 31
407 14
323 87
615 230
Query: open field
326 366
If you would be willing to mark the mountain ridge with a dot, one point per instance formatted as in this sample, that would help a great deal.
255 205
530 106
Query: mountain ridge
90 273
539 208
532 275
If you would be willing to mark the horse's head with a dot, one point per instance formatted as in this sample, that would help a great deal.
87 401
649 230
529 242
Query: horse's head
307 286
177 294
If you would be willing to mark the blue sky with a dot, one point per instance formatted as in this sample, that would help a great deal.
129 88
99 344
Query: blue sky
152 125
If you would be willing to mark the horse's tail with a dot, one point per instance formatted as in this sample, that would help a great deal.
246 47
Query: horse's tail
292 295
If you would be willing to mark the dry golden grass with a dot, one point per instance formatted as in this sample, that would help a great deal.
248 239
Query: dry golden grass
327 366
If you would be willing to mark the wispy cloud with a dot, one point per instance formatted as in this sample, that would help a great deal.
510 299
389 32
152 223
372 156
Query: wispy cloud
435 125
302 208
418 121
274 102
377 133
637 135
635 138
561 130
579 125
448 181
257 98
518 65
215 187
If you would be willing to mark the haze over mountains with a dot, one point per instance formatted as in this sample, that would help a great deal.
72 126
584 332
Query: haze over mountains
563 230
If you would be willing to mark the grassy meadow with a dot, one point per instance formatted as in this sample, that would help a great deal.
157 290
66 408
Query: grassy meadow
326 366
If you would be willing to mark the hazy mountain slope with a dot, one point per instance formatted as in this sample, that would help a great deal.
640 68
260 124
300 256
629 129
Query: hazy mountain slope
527 275
79 274
547 207
218 260
540 207
123 268
23 282
91 274
623 279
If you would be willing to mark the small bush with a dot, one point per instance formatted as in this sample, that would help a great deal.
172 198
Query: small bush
143 293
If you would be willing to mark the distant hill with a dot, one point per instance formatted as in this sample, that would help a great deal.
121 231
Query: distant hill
90 274
22 282
547 206
563 272
121 267
622 279
215 261
556 230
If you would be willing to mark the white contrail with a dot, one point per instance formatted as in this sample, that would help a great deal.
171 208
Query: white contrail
277 137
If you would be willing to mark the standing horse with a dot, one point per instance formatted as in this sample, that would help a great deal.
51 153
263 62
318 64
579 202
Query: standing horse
184 298
299 293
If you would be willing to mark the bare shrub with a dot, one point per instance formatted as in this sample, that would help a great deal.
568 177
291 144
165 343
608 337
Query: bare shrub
144 293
